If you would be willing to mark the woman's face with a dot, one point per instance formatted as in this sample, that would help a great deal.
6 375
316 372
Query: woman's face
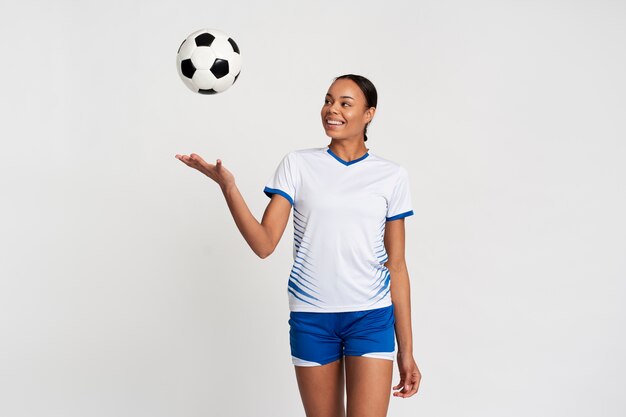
345 112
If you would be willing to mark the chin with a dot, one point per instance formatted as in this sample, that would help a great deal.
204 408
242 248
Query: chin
330 134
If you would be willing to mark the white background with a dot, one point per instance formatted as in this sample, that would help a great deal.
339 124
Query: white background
126 289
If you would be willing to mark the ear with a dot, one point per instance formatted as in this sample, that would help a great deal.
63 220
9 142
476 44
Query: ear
369 114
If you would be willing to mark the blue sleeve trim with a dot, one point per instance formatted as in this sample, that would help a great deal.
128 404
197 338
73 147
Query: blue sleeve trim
269 191
401 215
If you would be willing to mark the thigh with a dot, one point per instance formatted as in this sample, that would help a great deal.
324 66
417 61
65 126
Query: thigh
313 339
321 389
369 333
368 386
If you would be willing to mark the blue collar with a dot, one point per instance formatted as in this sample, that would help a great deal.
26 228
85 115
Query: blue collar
347 163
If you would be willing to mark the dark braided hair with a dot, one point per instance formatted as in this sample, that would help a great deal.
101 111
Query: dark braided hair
368 89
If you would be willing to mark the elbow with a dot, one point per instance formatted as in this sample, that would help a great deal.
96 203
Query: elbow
264 247
396 267
264 253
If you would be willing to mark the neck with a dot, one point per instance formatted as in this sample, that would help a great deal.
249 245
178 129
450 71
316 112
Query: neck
348 150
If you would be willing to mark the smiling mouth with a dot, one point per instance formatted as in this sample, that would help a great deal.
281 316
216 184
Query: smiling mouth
333 122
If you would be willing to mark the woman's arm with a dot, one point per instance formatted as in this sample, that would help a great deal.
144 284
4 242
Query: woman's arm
264 236
261 237
401 296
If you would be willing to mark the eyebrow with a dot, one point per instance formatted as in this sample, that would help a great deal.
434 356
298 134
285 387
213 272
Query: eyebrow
351 98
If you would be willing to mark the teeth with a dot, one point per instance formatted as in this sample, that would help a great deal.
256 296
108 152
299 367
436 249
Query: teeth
334 122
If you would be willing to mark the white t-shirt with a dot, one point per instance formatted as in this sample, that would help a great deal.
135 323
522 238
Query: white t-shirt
340 211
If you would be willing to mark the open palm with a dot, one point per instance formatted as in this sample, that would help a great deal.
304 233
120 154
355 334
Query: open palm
216 171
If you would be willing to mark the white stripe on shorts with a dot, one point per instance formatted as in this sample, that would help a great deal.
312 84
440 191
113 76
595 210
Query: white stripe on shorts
302 362
380 355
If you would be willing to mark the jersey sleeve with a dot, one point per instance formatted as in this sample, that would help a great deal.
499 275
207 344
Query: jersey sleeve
399 205
283 182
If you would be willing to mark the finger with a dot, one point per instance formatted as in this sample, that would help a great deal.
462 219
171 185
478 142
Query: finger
191 162
400 384
195 160
184 158
414 386
399 393
410 388
403 391
410 393
198 159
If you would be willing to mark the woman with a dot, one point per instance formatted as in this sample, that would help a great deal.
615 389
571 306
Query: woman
349 209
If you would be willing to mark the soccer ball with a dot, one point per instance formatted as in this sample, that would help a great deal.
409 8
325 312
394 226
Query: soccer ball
208 61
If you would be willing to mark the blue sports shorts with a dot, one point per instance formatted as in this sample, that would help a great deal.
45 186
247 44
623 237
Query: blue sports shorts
320 338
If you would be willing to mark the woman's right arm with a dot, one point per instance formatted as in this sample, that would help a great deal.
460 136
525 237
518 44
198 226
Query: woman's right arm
262 237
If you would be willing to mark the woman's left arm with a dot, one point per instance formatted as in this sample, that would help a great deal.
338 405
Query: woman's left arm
401 296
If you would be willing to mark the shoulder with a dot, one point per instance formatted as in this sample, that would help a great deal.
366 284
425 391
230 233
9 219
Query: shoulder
296 159
298 154
306 151
388 165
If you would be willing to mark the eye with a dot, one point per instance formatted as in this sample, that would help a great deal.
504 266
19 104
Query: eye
326 101
345 104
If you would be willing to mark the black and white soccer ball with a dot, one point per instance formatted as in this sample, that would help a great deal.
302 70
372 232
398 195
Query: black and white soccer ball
208 61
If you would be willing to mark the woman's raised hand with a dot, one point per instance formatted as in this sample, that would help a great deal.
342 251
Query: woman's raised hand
223 177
